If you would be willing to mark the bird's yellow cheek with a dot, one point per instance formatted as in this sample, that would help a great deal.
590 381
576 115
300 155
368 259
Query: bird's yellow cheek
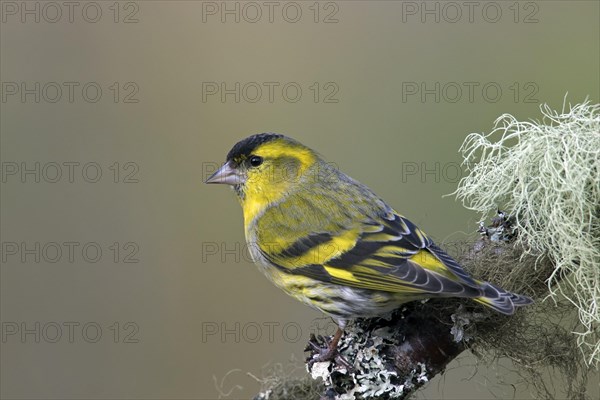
252 209
259 195
257 200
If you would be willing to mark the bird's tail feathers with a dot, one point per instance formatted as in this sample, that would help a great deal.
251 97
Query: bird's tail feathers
501 300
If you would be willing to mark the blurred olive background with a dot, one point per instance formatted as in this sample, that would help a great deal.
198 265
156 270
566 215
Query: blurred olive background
193 318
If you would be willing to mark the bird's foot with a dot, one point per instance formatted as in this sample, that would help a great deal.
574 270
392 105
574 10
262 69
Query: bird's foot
326 352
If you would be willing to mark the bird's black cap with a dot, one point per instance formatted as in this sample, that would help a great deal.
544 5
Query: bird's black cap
245 147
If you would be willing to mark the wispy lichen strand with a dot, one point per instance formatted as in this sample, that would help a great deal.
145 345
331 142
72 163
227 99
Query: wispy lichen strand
547 174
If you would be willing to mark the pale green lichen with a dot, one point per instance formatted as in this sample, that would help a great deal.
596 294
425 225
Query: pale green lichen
547 174
371 377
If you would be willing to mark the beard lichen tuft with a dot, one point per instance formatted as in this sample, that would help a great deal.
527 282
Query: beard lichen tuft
547 174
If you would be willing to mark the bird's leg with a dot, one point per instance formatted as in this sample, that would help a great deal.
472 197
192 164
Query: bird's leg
330 352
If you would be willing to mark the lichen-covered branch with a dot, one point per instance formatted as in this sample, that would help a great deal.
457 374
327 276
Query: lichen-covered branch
393 357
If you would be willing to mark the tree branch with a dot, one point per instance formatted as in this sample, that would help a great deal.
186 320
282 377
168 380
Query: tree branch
394 357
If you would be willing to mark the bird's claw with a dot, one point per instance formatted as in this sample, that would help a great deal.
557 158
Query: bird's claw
325 353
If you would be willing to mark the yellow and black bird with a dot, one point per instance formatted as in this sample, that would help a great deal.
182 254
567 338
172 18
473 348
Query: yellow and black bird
332 243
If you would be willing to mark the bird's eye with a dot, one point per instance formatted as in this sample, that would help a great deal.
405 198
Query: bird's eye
255 161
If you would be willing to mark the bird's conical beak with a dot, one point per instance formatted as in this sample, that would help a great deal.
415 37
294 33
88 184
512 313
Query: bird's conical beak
227 175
